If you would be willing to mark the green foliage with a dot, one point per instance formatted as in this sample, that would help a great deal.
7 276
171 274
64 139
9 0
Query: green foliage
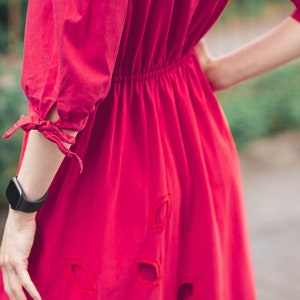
4 22
265 105
12 104
3 26
253 5
249 8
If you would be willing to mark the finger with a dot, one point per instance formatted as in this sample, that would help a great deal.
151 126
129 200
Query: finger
13 286
5 280
27 283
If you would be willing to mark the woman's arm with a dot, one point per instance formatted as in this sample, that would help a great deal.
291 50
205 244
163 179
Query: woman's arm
277 47
70 50
41 161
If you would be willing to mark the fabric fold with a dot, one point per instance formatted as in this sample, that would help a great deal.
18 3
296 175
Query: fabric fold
50 131
296 13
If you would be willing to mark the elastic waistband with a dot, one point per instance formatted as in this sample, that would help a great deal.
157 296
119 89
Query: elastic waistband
154 73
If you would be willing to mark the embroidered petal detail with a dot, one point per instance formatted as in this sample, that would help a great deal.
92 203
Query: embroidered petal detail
50 132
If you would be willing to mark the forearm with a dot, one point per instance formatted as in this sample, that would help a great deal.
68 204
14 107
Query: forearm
278 47
40 163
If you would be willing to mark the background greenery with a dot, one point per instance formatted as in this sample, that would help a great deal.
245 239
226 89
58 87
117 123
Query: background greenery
265 105
249 8
260 107
12 104
12 20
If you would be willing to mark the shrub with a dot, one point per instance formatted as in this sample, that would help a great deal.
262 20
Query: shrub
12 104
265 105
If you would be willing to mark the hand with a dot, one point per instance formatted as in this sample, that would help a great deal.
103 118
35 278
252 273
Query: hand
213 69
210 67
257 57
15 248
204 56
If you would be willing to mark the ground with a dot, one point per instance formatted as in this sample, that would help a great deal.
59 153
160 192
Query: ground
271 171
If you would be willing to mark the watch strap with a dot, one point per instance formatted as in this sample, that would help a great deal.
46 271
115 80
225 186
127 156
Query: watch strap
17 200
31 206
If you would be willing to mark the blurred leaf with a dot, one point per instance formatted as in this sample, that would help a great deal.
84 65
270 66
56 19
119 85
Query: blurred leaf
12 104
265 105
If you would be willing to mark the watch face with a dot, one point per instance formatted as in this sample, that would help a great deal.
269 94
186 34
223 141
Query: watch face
13 193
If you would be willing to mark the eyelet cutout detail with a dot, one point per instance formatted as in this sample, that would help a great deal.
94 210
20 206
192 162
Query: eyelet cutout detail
160 214
188 290
80 275
147 272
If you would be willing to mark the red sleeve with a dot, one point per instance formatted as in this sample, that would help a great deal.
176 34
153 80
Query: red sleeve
296 13
70 49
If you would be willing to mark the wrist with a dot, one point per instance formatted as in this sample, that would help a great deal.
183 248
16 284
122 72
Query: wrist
213 74
17 198
222 73
20 217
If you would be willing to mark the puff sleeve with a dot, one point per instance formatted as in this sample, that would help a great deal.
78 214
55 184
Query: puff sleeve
296 13
70 49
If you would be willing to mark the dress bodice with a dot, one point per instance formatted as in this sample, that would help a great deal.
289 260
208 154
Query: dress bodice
156 33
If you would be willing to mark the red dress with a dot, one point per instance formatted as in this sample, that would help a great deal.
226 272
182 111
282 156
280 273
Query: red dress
157 212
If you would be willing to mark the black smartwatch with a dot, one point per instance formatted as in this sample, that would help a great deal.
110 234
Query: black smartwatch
17 200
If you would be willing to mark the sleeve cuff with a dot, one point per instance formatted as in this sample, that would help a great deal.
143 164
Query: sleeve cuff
50 131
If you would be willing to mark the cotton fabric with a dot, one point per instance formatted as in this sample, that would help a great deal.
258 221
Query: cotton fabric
157 212
296 14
